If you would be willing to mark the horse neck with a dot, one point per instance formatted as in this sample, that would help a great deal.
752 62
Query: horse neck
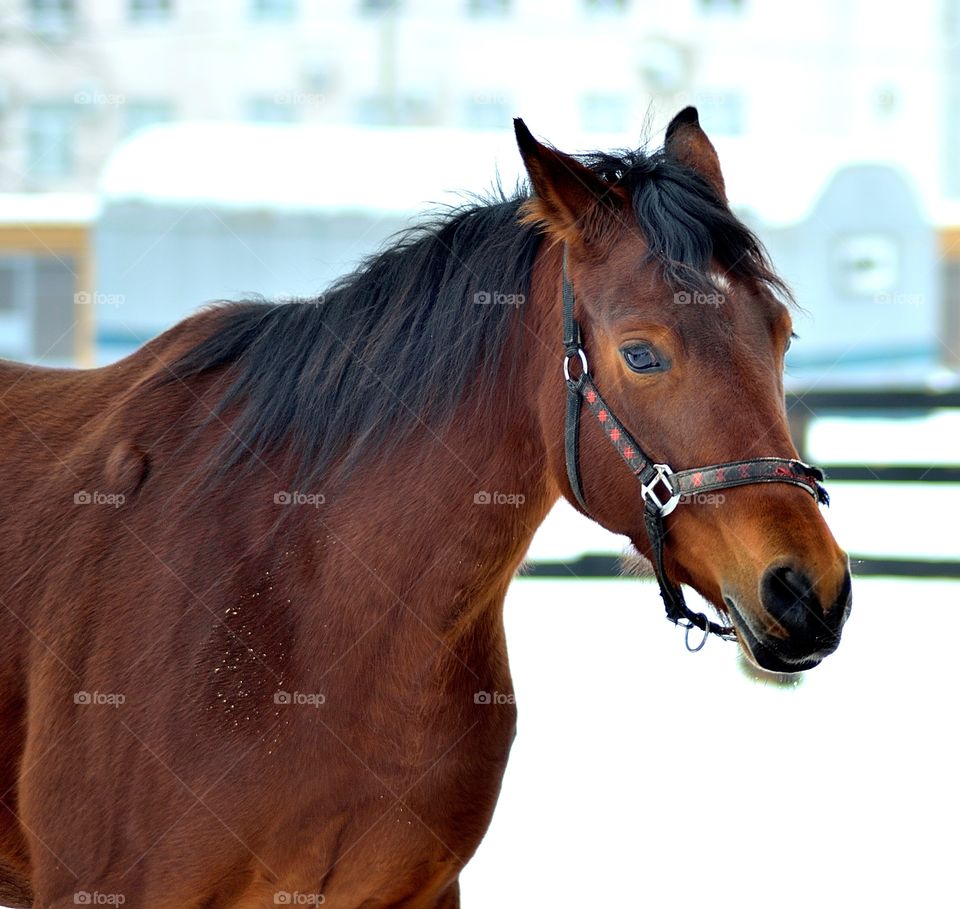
455 514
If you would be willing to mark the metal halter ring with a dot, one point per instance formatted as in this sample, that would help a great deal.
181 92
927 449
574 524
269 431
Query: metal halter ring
706 633
648 494
568 356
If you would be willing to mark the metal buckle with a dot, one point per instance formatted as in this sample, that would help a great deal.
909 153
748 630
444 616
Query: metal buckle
567 357
648 494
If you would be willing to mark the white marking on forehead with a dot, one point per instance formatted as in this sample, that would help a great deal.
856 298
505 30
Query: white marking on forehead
718 279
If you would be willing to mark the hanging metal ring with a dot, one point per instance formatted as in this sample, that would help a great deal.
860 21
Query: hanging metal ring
706 633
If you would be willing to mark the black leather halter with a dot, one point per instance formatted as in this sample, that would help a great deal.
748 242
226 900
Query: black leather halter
661 488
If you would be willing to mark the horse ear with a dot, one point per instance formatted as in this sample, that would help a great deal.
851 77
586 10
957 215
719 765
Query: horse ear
572 203
687 143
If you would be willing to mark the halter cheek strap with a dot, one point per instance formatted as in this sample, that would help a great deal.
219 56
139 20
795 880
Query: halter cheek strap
661 488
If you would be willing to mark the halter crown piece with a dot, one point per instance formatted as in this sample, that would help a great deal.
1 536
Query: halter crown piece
661 487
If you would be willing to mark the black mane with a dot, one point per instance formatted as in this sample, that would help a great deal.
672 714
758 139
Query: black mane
400 342
390 347
685 223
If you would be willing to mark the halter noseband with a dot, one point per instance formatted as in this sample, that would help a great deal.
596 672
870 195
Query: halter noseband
661 488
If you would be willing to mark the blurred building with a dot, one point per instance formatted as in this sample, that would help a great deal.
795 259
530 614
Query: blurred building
189 214
791 94
78 76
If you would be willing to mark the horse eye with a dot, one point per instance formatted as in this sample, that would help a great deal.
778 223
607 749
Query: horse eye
641 358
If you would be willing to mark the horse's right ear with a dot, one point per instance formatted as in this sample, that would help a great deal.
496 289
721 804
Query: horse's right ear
687 143
571 202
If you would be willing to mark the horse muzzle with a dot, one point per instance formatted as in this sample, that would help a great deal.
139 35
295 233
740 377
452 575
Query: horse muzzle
793 629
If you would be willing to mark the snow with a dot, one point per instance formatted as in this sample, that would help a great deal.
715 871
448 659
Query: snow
48 208
864 517
646 776
353 168
293 167
928 439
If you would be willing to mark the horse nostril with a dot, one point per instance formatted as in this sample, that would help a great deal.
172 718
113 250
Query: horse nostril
789 596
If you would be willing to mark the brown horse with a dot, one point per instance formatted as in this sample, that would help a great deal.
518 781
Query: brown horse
253 575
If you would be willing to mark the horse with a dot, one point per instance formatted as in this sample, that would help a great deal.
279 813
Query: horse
252 576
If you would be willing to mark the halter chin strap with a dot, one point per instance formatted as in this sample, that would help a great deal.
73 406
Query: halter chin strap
661 488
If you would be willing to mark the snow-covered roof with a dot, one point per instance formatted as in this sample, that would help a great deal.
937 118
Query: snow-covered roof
348 169
403 170
48 208
780 182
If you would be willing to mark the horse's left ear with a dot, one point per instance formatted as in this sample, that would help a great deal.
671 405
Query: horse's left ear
572 203
687 143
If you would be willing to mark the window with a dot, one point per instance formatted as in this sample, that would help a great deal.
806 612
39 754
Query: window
604 113
150 10
664 66
378 6
50 139
722 7
886 101
486 111
271 110
52 16
951 102
488 7
140 115
403 110
274 10
9 286
722 113
54 316
605 6
37 308
866 264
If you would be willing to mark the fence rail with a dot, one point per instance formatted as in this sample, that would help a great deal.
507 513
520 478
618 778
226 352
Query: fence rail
605 565
803 408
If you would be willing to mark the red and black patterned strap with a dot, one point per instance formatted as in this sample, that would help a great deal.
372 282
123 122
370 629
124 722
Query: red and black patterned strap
699 480
660 487
754 470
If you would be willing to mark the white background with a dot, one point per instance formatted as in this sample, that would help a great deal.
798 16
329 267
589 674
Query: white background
646 776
